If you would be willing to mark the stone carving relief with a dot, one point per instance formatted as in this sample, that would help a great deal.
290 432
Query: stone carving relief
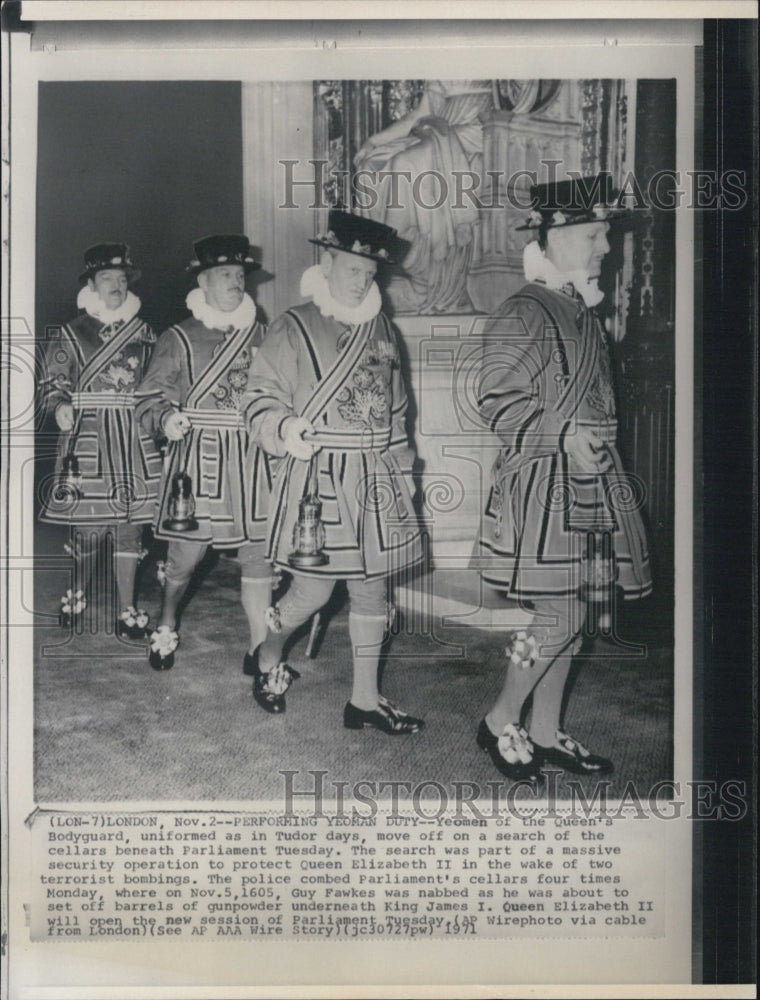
439 145
449 170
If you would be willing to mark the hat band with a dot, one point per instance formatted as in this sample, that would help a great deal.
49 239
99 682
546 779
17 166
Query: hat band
330 239
596 213
221 259
99 265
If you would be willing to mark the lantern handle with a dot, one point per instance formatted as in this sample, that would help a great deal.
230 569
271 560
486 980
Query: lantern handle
312 484
185 445
74 433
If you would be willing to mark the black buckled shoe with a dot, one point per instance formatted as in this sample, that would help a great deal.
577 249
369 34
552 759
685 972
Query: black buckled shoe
269 687
251 663
386 717
163 643
513 752
571 755
132 623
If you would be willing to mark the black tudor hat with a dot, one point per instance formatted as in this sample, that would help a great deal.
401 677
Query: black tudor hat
108 256
573 202
358 235
216 251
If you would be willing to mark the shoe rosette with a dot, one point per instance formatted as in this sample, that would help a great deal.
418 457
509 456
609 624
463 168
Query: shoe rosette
515 745
73 603
164 641
278 679
134 618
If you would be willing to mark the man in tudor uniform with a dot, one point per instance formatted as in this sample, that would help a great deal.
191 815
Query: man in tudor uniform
190 395
558 483
107 471
326 388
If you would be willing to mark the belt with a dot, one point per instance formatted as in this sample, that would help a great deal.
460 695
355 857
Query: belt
102 400
214 418
344 440
606 430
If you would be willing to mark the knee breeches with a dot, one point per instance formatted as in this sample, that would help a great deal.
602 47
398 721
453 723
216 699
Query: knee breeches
307 595
183 557
557 623
126 539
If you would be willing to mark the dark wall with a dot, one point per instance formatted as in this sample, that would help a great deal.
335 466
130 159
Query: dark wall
155 165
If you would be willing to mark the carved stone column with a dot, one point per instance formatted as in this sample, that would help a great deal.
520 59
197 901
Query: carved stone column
496 271
277 126
546 145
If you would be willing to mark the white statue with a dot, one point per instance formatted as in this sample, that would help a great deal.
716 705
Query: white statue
437 143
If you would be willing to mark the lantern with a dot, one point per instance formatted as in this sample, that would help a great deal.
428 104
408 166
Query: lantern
181 505
69 489
308 531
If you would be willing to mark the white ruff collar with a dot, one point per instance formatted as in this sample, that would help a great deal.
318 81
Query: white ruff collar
314 286
94 306
239 319
537 265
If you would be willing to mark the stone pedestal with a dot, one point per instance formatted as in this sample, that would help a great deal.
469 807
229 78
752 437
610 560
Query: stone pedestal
517 149
455 455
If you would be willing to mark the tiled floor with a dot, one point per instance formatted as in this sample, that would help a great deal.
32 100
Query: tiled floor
109 728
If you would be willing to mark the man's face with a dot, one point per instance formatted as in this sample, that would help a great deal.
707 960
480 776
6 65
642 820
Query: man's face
578 248
110 286
223 286
349 276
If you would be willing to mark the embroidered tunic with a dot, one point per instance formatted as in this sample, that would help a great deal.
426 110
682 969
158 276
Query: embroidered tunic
204 372
346 380
96 368
546 365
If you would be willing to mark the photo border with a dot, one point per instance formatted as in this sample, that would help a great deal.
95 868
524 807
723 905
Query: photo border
722 888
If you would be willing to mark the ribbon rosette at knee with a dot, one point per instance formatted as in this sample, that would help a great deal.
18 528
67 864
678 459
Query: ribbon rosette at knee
390 616
272 619
522 649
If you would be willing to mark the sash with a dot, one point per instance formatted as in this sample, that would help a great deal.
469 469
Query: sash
231 346
109 350
51 383
315 405
185 343
338 372
575 387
